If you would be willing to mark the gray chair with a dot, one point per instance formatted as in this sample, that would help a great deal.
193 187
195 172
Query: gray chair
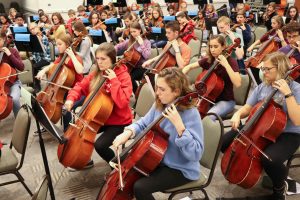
144 101
42 190
240 94
153 53
193 74
27 78
52 51
195 46
9 162
213 132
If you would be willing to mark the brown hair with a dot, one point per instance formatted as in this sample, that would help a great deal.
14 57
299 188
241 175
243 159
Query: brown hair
66 38
59 17
221 41
279 20
175 79
109 50
292 27
135 25
80 8
91 16
173 25
79 26
281 62
183 14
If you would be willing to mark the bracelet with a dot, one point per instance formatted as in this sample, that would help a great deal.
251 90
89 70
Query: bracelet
288 95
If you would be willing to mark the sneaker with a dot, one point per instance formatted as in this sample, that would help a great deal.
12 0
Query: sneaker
36 133
280 194
87 166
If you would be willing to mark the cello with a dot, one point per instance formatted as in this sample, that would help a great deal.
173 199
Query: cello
7 72
241 162
139 159
80 137
267 47
211 85
52 97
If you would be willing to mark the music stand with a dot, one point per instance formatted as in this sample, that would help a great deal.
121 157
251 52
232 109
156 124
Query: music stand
18 29
143 1
28 43
119 3
171 1
95 2
85 21
201 3
266 2
41 118
169 18
192 13
158 34
34 18
210 22
97 36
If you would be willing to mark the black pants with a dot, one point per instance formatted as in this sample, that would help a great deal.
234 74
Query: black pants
136 74
105 140
160 179
36 68
280 151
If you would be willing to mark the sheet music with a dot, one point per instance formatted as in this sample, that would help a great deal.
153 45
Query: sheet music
26 96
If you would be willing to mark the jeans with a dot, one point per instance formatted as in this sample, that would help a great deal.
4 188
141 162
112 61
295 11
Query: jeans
15 93
222 108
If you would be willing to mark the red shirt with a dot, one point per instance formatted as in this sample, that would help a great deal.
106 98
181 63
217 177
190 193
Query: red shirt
188 32
70 65
227 93
120 89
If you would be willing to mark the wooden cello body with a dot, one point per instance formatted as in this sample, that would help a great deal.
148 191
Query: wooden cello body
210 85
267 47
6 103
52 97
241 162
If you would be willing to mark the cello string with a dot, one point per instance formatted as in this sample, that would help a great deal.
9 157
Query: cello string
254 145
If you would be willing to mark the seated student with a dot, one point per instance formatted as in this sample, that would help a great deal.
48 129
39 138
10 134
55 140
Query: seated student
223 24
157 21
39 59
246 29
292 15
180 164
58 26
12 14
124 31
288 95
44 21
72 19
186 27
11 56
180 50
183 7
143 46
81 12
269 14
85 45
171 10
4 20
210 11
117 86
96 22
73 62
292 31
277 24
227 70
19 20
200 21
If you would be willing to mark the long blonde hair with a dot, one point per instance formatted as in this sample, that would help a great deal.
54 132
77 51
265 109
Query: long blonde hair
110 51
175 79
281 62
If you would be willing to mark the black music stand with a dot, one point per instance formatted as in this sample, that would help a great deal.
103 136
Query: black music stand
97 36
41 118
34 18
192 13
85 21
95 2
169 18
119 3
111 25
143 1
266 2
201 3
210 22
27 42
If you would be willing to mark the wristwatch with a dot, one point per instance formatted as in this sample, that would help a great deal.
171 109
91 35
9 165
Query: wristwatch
288 95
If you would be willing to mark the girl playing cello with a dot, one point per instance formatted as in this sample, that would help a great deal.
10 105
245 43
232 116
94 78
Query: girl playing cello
118 85
180 164
228 71
288 95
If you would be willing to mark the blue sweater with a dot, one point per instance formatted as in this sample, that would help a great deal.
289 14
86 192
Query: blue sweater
183 153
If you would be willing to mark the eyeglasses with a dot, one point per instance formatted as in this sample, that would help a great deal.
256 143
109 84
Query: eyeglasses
266 69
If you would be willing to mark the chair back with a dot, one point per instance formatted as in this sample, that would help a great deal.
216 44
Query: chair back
253 38
195 47
198 34
52 51
241 93
260 31
27 78
21 130
153 53
213 131
42 190
144 101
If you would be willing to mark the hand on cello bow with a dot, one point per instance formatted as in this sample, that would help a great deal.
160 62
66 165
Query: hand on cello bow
172 123
270 135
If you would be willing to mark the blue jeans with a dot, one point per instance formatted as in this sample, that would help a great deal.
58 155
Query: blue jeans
222 108
15 93
158 43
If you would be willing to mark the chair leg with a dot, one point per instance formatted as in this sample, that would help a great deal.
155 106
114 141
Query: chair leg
205 194
21 179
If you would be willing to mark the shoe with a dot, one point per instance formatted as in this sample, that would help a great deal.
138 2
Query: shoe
279 194
36 133
87 166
